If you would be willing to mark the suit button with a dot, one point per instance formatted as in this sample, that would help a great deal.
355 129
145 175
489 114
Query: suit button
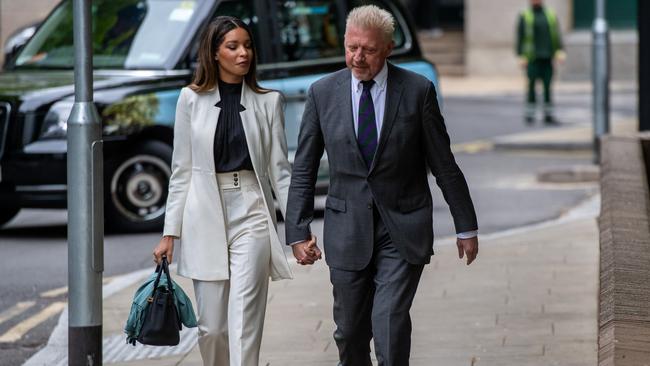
236 184
370 206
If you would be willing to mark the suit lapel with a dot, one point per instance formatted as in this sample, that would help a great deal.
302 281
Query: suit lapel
251 128
210 124
394 89
345 103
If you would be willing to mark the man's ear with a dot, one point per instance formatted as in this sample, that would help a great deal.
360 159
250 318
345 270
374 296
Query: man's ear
390 47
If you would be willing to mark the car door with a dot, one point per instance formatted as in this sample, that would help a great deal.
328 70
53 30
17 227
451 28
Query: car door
310 34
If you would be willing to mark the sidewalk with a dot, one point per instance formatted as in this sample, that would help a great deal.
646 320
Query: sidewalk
529 299
569 138
515 85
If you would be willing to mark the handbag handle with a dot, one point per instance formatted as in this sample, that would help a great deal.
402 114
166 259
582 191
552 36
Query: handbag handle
162 267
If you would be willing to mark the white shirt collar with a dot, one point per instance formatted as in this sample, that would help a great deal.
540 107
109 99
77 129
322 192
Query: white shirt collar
380 79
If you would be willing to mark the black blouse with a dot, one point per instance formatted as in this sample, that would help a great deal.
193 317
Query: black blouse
230 147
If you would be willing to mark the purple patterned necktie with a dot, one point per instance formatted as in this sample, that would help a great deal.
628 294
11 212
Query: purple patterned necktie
367 127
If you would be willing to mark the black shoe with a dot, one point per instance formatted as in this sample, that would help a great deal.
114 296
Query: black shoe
551 121
529 120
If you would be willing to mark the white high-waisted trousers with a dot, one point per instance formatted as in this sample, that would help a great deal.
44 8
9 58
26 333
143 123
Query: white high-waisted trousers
231 312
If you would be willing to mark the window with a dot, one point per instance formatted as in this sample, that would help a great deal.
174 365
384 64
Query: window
309 29
621 14
126 34
243 9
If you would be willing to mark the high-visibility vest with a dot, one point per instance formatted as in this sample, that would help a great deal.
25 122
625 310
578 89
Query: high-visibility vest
529 31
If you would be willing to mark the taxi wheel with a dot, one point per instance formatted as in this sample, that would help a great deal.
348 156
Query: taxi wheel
7 213
136 190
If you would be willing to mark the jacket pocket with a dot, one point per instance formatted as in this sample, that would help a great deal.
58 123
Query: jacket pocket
413 203
335 204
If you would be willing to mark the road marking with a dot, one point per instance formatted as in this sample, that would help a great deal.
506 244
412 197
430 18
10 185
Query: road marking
15 310
63 290
19 330
55 292
472 147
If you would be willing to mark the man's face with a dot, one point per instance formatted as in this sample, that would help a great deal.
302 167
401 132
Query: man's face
536 2
366 51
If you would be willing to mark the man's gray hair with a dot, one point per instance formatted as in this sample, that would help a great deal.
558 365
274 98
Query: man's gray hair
372 17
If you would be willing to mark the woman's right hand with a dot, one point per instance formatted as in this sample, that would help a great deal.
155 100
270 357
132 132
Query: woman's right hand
164 248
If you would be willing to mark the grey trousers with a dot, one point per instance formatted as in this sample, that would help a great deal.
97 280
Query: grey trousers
375 303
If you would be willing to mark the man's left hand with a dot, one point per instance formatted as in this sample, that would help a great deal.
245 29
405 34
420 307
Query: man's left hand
468 247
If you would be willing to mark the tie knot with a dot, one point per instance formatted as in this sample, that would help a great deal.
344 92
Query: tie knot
367 84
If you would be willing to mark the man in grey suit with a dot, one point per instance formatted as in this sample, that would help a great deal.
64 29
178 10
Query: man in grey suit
381 128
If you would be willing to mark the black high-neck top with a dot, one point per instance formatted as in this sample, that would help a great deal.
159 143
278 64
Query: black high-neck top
230 147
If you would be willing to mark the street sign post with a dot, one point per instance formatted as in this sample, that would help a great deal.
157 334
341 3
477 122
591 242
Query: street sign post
644 62
85 205
600 77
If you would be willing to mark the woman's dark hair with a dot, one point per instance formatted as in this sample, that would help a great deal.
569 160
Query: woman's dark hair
206 75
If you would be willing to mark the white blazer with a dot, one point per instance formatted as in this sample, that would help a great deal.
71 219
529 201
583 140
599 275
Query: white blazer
194 212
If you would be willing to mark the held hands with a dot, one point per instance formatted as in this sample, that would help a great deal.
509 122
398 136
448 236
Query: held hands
306 252
468 247
164 248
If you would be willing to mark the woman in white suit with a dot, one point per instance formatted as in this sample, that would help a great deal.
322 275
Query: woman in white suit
230 152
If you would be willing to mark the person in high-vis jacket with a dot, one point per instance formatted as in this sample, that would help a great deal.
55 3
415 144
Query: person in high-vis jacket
539 44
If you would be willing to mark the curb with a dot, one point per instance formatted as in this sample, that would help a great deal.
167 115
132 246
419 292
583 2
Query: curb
542 145
55 353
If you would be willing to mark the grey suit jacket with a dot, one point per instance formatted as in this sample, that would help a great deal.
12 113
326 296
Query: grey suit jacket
413 136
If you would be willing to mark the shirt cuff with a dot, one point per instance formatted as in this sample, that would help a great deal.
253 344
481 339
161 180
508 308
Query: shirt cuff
467 234
298 242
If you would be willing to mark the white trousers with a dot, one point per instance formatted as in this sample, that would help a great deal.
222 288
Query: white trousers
231 312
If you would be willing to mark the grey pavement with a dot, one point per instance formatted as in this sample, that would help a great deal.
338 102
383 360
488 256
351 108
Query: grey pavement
568 138
529 299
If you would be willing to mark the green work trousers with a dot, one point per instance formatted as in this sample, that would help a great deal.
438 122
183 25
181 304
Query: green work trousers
541 69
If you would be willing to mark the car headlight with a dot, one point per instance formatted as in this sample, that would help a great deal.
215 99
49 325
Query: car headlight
55 125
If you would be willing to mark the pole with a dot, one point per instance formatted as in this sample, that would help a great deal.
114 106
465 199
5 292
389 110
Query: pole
85 205
600 77
643 22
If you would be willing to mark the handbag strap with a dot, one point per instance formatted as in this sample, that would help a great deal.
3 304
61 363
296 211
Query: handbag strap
162 267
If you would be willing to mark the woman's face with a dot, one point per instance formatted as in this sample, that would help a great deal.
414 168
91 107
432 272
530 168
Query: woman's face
234 56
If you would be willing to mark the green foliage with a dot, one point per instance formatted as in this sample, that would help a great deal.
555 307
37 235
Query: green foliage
131 114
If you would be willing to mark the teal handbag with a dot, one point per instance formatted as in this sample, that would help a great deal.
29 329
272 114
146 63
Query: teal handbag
144 298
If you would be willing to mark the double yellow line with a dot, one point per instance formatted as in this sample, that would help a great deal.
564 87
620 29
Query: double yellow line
19 330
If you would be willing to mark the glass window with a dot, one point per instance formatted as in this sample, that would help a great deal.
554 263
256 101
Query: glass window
309 29
242 10
621 14
125 34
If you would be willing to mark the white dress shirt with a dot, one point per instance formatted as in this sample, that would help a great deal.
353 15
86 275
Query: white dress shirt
378 94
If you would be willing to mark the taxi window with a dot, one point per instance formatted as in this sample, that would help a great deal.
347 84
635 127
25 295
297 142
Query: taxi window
309 29
241 9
